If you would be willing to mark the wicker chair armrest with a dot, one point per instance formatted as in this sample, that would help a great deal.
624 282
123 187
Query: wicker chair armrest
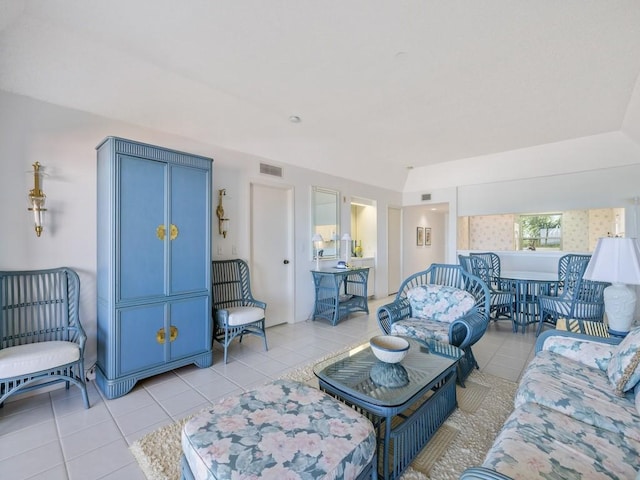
474 325
482 473
252 302
392 312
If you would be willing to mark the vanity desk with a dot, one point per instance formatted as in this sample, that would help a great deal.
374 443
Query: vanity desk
339 292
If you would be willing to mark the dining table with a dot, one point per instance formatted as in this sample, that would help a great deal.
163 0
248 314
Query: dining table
527 287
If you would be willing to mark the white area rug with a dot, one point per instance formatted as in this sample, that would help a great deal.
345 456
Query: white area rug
461 442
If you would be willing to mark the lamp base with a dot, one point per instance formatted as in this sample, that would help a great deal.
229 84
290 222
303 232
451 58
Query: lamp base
620 306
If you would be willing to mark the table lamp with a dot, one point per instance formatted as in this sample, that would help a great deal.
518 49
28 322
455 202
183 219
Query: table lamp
617 260
317 243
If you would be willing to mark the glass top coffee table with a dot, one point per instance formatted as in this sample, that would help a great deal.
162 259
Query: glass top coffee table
407 401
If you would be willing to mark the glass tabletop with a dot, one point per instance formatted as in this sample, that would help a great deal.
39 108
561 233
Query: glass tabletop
360 374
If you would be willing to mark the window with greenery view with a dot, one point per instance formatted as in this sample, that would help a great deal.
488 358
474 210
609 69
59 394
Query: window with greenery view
540 231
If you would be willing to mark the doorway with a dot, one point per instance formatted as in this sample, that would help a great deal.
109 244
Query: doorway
272 268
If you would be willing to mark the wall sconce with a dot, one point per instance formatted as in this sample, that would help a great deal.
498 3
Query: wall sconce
220 214
37 199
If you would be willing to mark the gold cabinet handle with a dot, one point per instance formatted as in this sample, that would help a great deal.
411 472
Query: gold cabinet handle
161 232
161 337
173 232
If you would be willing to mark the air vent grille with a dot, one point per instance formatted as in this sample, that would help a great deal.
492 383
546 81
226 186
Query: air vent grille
426 196
270 170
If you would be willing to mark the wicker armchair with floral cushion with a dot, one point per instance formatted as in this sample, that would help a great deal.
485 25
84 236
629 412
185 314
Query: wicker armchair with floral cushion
442 303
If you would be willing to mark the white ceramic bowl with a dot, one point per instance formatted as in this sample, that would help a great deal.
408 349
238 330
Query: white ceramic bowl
389 348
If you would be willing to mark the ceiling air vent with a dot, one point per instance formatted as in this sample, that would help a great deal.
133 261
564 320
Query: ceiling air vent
270 170
426 196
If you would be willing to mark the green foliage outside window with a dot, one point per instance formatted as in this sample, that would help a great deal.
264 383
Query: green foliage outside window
541 231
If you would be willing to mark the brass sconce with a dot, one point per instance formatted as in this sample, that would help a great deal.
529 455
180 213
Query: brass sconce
220 214
37 199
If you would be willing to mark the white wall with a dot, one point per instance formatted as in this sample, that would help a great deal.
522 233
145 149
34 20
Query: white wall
416 258
64 140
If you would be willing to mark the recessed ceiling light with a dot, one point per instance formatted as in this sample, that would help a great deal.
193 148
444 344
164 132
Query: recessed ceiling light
295 119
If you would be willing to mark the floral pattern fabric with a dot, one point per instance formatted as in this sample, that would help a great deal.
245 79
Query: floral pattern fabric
538 443
568 421
282 430
580 392
421 329
441 303
624 367
590 353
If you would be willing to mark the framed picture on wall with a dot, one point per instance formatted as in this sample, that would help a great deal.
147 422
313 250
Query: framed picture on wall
420 236
427 236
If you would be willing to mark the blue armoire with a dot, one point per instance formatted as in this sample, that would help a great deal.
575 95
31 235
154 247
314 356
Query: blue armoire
154 262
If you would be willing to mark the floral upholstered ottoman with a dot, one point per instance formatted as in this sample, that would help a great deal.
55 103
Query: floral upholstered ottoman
283 430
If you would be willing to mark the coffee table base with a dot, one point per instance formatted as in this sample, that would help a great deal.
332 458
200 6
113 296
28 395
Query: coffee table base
403 431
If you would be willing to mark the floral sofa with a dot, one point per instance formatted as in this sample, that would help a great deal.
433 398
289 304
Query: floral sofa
577 413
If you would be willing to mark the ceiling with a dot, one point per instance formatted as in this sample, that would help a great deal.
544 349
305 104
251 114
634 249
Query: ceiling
379 86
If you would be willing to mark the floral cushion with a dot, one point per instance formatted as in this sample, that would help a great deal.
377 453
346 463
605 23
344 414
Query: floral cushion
421 329
624 367
581 392
538 443
281 430
590 353
439 302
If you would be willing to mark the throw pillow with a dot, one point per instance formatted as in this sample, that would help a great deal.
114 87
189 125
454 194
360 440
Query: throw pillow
624 366
439 302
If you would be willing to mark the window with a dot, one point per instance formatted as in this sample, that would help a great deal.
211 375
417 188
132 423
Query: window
540 231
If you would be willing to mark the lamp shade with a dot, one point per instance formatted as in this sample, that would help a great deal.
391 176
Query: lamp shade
346 237
317 238
615 260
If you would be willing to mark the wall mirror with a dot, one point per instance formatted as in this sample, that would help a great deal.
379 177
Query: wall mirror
571 230
325 207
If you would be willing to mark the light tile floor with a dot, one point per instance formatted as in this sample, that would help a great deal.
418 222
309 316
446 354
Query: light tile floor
51 436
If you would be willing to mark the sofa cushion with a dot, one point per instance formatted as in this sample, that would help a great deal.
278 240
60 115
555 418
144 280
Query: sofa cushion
439 302
421 329
538 443
581 392
624 366
591 353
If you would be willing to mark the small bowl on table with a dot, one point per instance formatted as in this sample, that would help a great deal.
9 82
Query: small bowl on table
389 348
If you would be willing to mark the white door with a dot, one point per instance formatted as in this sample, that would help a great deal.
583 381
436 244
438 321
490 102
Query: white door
271 251
394 219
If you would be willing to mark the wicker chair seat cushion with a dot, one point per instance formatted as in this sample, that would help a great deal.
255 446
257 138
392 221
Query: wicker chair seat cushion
35 357
282 430
579 391
539 443
421 329
441 303
624 366
244 315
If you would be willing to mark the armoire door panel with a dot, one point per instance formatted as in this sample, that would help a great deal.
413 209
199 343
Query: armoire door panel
141 209
188 212
138 337
192 320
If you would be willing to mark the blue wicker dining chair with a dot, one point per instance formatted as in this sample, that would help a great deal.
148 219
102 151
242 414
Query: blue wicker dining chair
502 299
41 339
235 312
577 299
399 317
